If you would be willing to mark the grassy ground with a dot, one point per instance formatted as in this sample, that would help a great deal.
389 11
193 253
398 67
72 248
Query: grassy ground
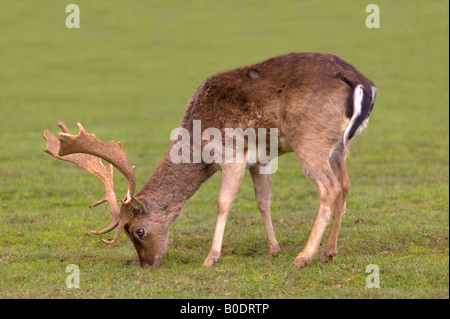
127 74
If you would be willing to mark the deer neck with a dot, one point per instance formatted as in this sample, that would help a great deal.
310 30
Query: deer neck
172 184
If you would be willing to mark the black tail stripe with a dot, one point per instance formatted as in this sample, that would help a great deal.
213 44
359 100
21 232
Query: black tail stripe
351 85
350 102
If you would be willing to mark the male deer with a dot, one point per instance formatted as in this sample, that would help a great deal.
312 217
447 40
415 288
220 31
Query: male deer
318 103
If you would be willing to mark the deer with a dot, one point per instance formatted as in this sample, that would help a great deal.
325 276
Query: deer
316 101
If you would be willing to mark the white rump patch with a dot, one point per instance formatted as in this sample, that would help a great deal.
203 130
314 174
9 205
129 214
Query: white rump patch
374 93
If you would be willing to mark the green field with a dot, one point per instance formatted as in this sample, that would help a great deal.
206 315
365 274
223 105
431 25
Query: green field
127 74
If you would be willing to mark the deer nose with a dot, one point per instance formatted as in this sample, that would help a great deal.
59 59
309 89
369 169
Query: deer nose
152 262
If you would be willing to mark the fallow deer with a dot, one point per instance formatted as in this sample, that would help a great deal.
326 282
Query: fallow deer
318 102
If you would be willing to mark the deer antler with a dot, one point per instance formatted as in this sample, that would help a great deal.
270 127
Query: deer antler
111 152
70 148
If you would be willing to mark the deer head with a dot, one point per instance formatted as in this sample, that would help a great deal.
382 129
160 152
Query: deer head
130 213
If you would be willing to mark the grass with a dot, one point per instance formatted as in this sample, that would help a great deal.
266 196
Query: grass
127 74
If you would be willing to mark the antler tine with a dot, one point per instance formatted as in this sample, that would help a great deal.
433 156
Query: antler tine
111 152
94 166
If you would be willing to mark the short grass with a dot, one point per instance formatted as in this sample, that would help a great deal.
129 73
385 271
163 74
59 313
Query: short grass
127 73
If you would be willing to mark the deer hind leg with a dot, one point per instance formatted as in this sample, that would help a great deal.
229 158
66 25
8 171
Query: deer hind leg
318 169
231 179
262 185
337 162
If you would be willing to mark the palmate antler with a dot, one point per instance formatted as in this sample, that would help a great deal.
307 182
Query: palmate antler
86 151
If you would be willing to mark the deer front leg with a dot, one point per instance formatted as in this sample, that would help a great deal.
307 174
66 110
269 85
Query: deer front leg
262 185
231 179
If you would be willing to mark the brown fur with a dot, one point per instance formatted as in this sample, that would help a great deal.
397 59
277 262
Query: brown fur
308 97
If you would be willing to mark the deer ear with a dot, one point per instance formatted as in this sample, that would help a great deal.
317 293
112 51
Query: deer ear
137 204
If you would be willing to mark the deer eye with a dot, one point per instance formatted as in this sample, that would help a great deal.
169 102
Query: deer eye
140 232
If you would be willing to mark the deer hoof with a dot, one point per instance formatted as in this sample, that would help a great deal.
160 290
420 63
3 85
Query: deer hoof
328 255
210 261
274 251
301 261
